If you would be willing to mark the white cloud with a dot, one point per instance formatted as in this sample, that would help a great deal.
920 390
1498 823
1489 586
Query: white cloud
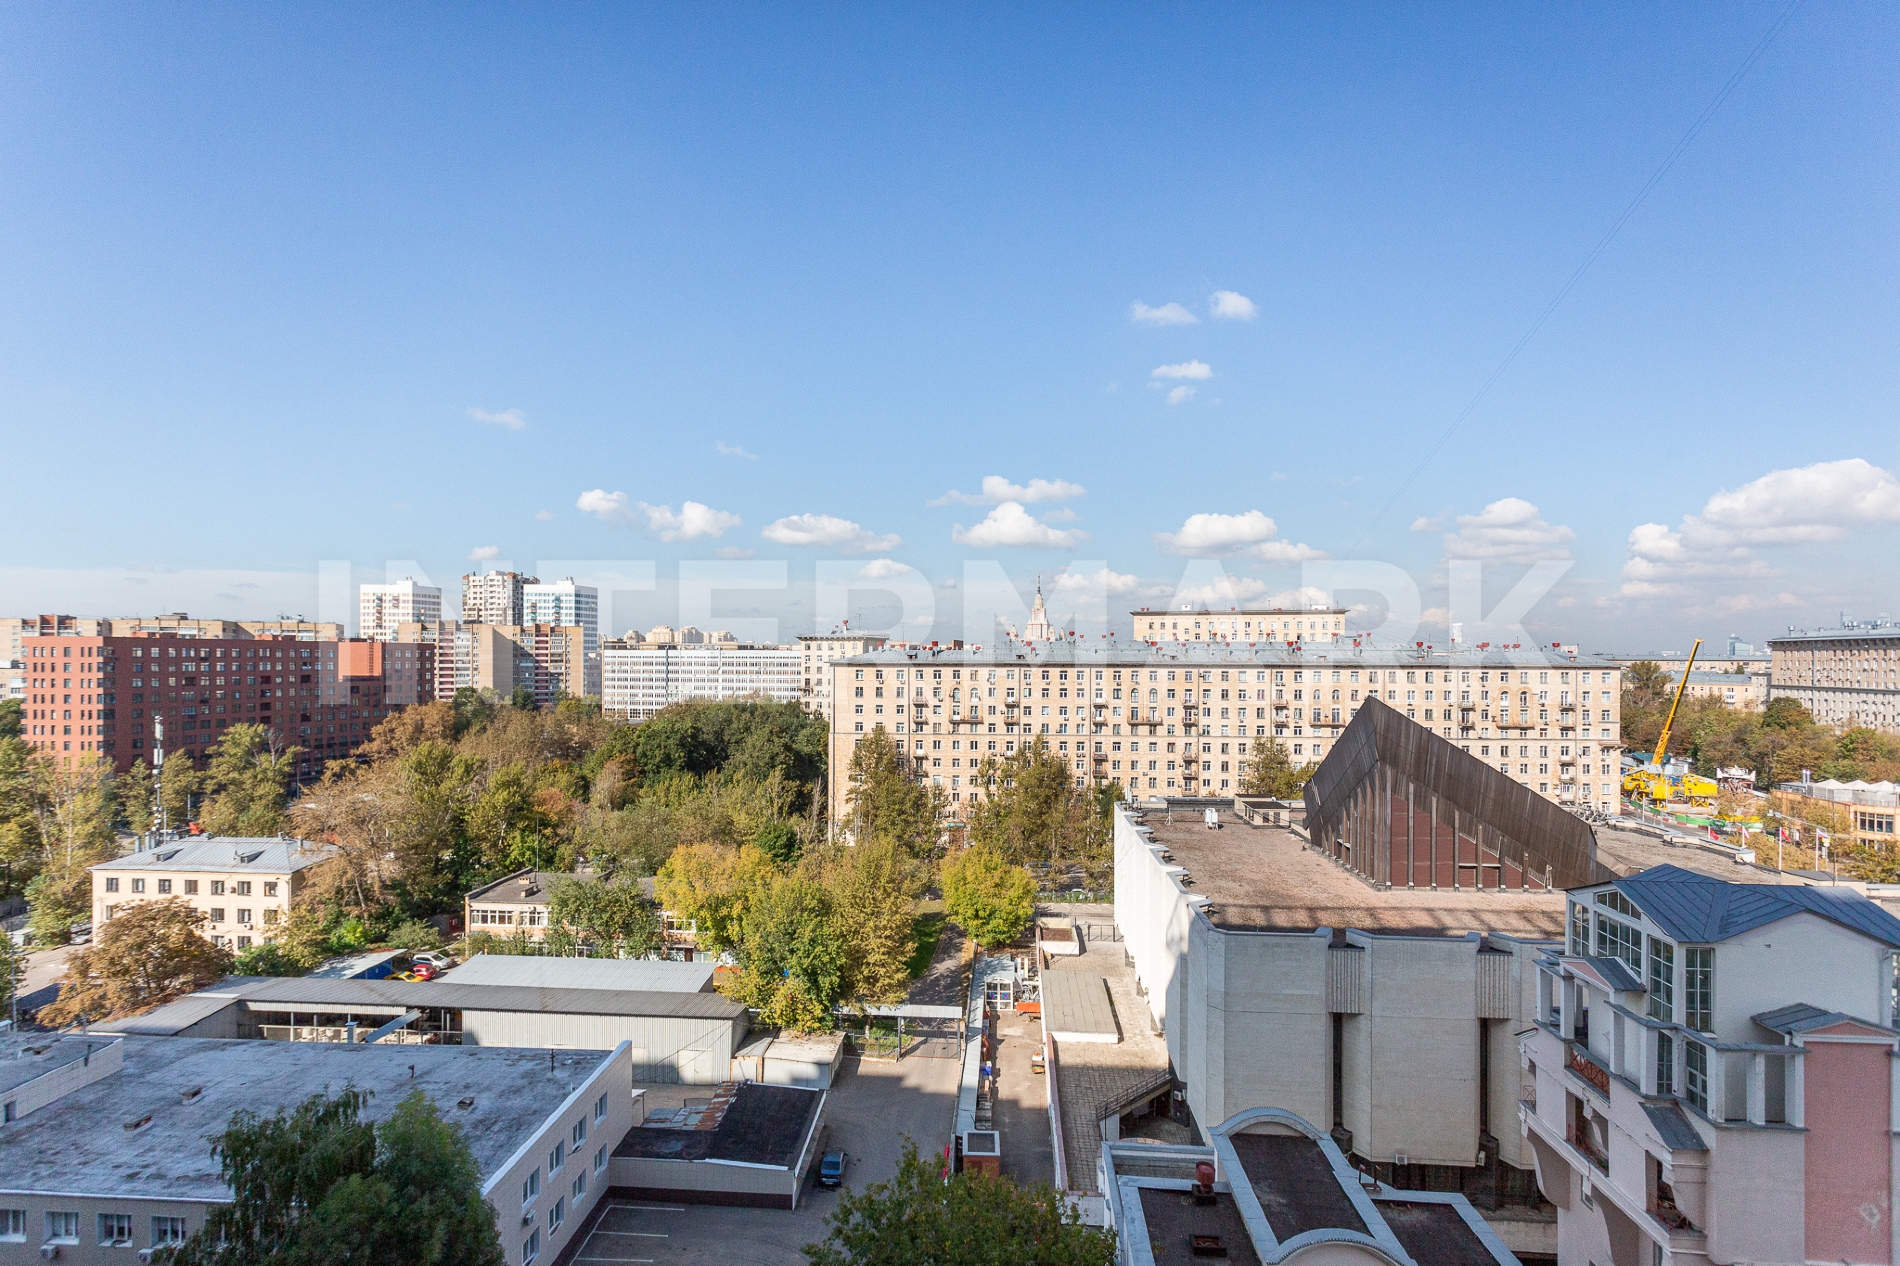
1234 590
1180 394
997 490
544 516
883 569
1249 535
733 450
1166 314
1010 524
823 529
733 551
1230 305
1822 502
1105 581
1066 514
1186 369
693 521
482 553
1424 523
1507 531
513 419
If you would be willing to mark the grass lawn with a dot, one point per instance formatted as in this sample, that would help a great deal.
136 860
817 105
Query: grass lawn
926 928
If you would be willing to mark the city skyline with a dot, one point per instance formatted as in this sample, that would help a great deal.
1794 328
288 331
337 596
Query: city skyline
1128 301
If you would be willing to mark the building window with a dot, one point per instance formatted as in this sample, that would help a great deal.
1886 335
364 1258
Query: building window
13 1226
164 887
580 1132
112 884
167 1230
1696 1072
244 915
1579 931
530 1187
1662 979
557 1157
1698 988
557 1215
1620 940
600 1104
217 914
115 1229
531 1247
191 887
1665 1063
270 887
217 887
62 1228
244 888
138 885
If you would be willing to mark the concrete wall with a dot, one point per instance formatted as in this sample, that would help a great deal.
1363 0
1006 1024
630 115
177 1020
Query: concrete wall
703 1182
690 1050
1411 1058
88 1251
62 1079
1803 958
1255 1025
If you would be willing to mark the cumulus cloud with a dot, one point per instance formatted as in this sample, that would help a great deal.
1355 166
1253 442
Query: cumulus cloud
1180 394
1507 531
733 450
1430 523
1249 535
1166 314
1010 524
1104 581
883 569
544 516
1823 502
825 530
513 419
1186 369
482 553
1232 590
1231 305
997 490
693 521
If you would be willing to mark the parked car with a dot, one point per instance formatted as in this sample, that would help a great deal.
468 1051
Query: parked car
409 976
424 970
831 1169
436 959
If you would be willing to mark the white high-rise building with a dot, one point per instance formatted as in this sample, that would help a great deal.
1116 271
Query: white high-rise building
380 608
641 678
565 604
494 597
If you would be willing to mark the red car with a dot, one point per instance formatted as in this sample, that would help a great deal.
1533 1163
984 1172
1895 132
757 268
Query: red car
425 971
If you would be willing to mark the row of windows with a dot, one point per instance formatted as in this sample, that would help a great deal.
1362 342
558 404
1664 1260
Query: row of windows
239 888
576 1189
1443 676
115 1229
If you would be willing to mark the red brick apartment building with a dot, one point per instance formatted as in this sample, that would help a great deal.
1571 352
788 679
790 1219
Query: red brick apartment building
102 695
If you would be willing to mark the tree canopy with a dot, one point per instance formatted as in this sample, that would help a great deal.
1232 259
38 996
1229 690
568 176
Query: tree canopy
988 896
149 953
1270 771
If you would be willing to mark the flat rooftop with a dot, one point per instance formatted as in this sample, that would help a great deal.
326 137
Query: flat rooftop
1627 851
749 1123
1262 879
1095 1079
640 975
135 1133
1174 1220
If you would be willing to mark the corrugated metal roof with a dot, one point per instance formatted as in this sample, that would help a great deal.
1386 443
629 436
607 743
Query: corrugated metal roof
268 856
1701 908
1674 1128
549 972
403 994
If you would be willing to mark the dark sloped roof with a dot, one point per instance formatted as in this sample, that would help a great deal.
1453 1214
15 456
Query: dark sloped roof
1434 1234
1615 973
1673 1128
1702 908
1802 1017
763 1125
523 887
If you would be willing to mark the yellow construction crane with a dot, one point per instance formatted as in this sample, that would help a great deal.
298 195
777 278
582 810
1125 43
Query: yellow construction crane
1662 743
1655 784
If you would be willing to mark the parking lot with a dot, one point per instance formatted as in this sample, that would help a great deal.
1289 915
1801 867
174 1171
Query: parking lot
870 1108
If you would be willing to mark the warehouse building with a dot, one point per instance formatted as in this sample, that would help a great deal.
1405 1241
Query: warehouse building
749 1144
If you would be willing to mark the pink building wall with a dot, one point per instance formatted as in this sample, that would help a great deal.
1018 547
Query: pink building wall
1849 1157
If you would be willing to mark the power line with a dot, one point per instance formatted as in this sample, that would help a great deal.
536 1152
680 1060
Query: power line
1616 227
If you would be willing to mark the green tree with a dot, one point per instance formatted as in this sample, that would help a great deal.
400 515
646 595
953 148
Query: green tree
319 1184
791 941
613 917
885 802
247 777
778 841
414 935
148 954
1786 714
522 699
266 959
1028 805
473 710
874 889
988 897
132 792
972 1219
11 710
1271 772
72 815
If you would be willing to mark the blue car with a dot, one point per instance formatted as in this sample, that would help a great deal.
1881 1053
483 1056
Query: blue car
831 1169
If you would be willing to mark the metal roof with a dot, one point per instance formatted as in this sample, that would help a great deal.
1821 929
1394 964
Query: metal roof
1886 633
1802 1017
550 972
1674 1128
403 994
271 855
1118 652
523 887
1703 909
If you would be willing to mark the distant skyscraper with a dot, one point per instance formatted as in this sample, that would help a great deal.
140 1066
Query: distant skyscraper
563 603
494 597
380 608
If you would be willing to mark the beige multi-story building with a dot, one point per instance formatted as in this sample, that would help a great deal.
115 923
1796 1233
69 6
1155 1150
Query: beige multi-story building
817 652
382 609
494 597
640 678
299 629
243 887
549 661
1673 662
1847 676
1239 625
1746 691
1183 720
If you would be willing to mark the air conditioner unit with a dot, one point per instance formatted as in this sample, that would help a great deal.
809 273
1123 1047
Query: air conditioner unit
49 1251
145 1254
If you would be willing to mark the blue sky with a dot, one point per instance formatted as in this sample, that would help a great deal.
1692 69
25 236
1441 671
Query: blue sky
291 285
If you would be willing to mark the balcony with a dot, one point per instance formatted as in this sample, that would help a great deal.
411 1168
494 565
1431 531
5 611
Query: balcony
1580 1139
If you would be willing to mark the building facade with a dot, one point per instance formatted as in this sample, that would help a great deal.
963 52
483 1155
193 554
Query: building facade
1844 677
243 887
1183 719
640 678
103 698
1237 625
816 654
494 597
1745 691
548 661
1709 1074
382 609
564 604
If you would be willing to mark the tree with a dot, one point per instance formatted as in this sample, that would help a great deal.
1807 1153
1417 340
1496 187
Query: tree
778 841
973 1219
1786 714
885 802
793 953
714 885
986 896
1026 804
11 710
413 935
266 959
247 776
133 792
613 917
874 889
1271 772
319 1184
522 698
72 815
148 954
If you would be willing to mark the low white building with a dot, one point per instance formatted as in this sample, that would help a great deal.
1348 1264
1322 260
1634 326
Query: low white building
640 678
1710 1075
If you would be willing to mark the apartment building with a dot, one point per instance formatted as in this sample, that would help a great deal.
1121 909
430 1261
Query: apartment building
105 1134
494 597
1182 719
1846 676
1745 691
296 629
103 697
548 661
640 678
1242 625
382 609
564 604
1709 1074
1673 662
817 652
244 887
